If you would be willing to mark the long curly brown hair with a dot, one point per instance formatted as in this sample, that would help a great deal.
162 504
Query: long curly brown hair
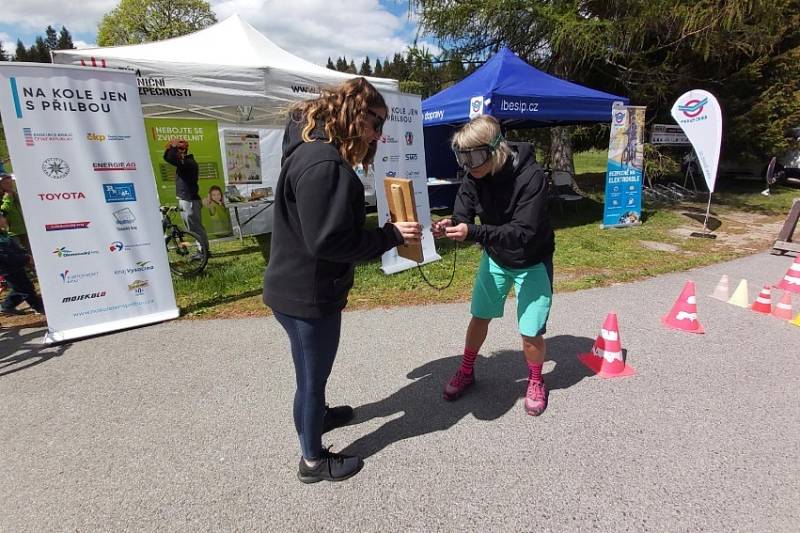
343 111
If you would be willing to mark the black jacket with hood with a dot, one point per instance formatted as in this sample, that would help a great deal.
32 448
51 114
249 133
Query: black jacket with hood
187 173
515 225
318 229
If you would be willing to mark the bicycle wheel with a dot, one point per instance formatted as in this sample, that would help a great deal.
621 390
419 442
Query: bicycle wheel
185 253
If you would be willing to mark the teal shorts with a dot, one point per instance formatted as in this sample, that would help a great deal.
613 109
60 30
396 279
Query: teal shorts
533 286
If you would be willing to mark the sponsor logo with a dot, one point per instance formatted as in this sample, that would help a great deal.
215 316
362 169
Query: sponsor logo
110 166
412 157
87 296
391 158
388 139
409 138
411 174
138 286
141 266
63 226
32 136
119 192
391 174
619 117
55 167
50 196
67 277
476 105
693 108
63 251
103 137
125 220
119 246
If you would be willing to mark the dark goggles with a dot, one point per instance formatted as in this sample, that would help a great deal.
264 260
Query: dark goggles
474 157
376 120
469 158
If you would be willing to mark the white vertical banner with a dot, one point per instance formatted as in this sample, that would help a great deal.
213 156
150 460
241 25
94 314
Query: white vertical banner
401 154
699 115
77 142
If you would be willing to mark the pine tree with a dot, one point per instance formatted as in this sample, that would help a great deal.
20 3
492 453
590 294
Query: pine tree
378 69
366 68
330 64
51 39
39 52
64 40
352 67
21 53
341 64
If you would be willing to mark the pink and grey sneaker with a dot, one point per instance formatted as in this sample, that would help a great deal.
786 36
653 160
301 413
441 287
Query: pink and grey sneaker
458 385
536 398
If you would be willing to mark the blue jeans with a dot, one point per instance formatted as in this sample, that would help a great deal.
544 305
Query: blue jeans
314 343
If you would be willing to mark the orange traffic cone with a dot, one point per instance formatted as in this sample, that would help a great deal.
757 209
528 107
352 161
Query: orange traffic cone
783 309
791 281
605 359
683 315
722 292
763 304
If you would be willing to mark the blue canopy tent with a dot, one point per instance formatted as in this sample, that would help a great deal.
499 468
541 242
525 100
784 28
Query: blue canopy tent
515 93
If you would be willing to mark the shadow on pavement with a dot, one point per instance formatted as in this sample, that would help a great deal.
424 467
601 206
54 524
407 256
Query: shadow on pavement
20 351
501 380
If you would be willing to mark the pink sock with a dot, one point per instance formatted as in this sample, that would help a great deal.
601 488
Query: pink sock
535 371
468 361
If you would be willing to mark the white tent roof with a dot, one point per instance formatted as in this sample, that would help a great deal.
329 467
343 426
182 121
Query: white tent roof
216 70
232 42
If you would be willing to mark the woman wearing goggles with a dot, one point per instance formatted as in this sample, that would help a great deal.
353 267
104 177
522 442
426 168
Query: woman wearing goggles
507 189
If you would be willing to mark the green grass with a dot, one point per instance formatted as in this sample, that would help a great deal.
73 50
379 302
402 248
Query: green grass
586 256
591 161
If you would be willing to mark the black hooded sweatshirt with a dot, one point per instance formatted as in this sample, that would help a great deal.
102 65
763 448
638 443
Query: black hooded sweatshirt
318 229
515 225
187 173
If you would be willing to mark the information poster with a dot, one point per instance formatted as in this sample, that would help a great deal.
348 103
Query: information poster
623 199
77 141
401 154
203 139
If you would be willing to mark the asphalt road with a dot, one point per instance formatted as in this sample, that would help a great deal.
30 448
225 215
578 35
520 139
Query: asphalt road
186 426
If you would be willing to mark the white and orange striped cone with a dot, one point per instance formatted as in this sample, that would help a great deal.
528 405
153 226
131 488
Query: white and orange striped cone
606 359
791 281
683 315
783 309
763 303
722 292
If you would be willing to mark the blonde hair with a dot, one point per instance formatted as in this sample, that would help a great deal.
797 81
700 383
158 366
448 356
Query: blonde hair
483 130
342 109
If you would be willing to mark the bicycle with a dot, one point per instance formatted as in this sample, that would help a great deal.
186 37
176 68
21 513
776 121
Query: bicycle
185 251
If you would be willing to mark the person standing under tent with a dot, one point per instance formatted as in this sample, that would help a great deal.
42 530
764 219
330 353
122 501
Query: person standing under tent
318 235
187 174
507 189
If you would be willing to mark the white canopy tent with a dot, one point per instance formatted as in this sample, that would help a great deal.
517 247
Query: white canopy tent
228 72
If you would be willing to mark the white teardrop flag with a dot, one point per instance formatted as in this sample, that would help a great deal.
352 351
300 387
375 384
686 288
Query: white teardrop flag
699 115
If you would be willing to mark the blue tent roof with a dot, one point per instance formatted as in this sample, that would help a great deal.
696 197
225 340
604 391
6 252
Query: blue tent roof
514 92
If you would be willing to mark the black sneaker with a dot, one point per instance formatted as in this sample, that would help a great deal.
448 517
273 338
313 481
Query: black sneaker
330 467
336 417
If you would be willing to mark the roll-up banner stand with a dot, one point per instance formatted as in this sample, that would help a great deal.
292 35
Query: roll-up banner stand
401 154
77 143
